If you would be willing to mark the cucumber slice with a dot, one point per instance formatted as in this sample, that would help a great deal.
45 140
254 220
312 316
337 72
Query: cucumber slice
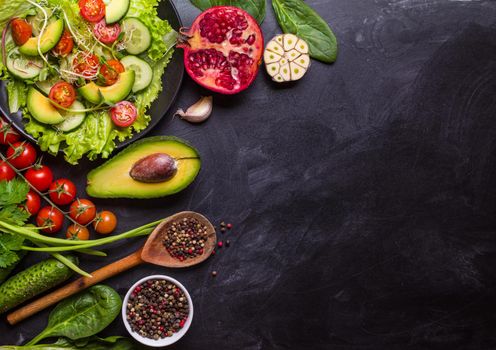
115 10
72 120
23 67
137 37
143 73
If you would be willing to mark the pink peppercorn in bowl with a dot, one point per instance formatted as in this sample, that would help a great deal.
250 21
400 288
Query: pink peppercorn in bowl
157 311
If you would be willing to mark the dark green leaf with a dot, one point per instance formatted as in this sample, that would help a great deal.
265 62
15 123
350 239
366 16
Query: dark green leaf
256 8
83 315
296 17
9 244
93 343
14 214
13 192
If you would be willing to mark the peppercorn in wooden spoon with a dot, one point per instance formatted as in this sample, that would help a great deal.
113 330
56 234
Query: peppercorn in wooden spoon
158 249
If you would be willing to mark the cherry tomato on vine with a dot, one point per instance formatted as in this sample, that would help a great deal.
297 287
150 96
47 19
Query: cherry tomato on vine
92 10
6 172
40 177
7 133
86 64
62 191
51 218
106 33
105 222
110 71
77 232
21 31
63 94
65 45
33 202
21 154
83 211
123 114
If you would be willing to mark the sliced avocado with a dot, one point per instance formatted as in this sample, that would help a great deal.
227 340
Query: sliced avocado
115 10
41 109
112 179
113 93
50 38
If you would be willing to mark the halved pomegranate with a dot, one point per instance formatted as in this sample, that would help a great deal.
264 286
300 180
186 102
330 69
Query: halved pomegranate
223 49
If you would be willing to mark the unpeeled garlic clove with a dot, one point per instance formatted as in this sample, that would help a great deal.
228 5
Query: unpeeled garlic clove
198 112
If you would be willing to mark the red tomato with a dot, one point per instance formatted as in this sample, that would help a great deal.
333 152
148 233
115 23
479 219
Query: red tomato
107 34
86 64
62 191
51 218
7 134
105 222
77 232
65 45
92 10
62 94
33 202
123 114
110 71
6 172
21 31
83 211
40 177
21 154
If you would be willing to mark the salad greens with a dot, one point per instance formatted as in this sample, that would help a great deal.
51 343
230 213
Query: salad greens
97 135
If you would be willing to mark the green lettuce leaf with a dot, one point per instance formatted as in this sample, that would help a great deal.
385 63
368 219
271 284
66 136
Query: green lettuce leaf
16 91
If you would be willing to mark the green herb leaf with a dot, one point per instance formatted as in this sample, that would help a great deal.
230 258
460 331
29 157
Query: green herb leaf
82 315
296 17
256 8
13 192
93 343
14 214
9 244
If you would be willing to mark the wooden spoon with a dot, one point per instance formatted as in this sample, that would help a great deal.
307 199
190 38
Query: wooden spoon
152 252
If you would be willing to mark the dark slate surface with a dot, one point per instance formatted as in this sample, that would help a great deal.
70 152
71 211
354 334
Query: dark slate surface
363 197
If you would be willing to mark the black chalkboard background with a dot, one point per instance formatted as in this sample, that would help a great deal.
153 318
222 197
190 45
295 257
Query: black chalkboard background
363 197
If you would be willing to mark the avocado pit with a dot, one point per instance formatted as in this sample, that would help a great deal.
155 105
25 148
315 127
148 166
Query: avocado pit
154 168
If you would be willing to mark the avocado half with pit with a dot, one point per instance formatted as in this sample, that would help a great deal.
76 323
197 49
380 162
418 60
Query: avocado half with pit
42 109
113 93
113 178
49 39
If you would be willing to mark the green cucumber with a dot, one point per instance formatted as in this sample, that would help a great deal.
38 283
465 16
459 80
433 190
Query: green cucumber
115 10
72 120
143 73
23 67
33 281
137 37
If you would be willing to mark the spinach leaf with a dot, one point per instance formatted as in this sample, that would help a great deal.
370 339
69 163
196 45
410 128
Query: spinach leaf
296 17
256 8
82 315
92 343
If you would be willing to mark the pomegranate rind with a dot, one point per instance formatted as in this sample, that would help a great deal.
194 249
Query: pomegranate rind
215 60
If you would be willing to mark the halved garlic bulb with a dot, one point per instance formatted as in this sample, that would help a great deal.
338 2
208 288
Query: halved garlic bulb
286 58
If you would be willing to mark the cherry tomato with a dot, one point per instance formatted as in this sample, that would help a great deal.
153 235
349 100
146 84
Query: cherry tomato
86 64
40 177
105 222
7 134
21 31
110 71
21 154
6 172
106 34
92 10
83 211
51 218
33 202
123 114
77 232
62 191
65 45
63 94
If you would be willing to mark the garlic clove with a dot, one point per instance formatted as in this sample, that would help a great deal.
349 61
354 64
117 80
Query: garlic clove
285 72
290 41
271 57
275 47
273 69
292 55
303 61
278 78
198 112
302 46
297 72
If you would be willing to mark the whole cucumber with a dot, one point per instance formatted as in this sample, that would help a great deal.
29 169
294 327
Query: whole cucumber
33 281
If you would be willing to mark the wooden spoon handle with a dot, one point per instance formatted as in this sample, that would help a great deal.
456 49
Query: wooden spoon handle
75 287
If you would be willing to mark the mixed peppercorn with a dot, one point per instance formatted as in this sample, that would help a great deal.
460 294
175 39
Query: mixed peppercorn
185 239
157 309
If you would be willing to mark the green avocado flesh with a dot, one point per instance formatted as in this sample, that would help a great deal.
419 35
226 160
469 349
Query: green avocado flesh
112 179
41 109
50 38
113 93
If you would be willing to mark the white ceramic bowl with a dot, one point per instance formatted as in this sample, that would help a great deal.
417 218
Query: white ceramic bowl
163 341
